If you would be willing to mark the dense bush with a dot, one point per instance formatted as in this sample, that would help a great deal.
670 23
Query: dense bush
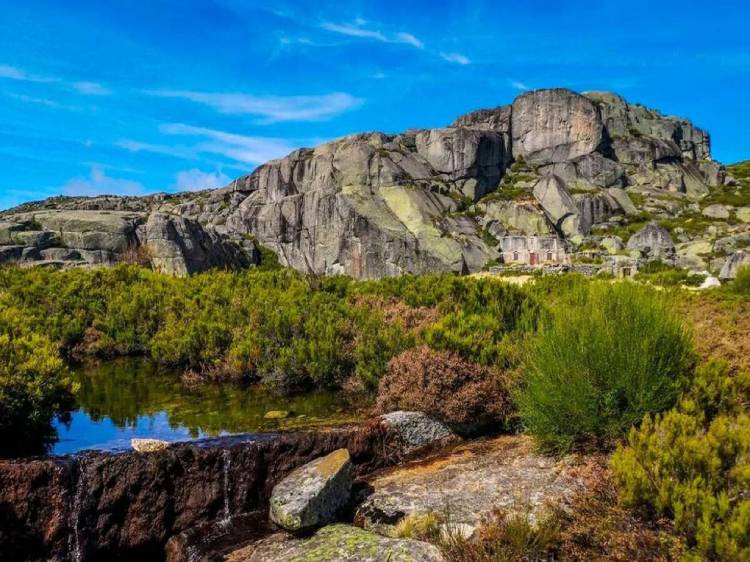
692 464
446 386
598 363
34 385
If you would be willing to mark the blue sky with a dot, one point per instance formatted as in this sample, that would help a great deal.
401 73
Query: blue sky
134 97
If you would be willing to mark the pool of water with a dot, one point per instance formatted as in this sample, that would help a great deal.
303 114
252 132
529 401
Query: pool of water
127 398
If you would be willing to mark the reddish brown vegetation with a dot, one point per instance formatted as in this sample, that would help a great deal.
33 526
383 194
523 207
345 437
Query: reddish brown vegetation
445 386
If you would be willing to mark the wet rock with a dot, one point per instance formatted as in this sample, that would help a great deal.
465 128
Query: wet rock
148 445
131 503
467 483
313 494
337 543
732 265
418 431
652 241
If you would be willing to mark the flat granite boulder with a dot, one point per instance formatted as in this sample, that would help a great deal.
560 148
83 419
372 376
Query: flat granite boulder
313 494
337 543
465 485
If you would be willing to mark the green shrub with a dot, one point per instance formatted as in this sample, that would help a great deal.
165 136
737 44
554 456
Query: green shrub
741 284
600 362
34 386
692 464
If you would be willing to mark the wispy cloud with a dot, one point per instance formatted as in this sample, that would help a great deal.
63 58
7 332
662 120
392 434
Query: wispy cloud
357 29
241 148
99 183
518 85
15 73
195 179
238 148
91 88
271 109
82 87
456 58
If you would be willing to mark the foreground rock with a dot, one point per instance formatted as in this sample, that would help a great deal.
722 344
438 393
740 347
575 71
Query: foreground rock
313 494
734 263
337 543
418 431
466 484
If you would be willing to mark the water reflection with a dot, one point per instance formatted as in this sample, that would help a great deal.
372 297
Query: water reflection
128 398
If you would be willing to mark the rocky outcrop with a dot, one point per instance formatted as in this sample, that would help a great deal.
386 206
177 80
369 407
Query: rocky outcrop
179 246
373 205
84 237
652 241
314 494
337 543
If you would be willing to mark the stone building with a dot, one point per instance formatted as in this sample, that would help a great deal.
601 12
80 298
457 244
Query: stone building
533 250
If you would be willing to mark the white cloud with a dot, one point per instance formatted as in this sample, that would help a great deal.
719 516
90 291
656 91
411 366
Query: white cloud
357 29
15 73
99 183
82 87
457 58
409 39
90 88
518 85
241 148
271 108
194 180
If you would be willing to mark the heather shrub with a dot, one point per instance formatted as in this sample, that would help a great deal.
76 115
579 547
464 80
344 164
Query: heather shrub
446 386
599 362
692 465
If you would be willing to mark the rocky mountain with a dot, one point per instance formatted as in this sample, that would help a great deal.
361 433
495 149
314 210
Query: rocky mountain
577 172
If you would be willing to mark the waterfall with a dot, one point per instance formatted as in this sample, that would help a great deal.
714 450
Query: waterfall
226 464
74 538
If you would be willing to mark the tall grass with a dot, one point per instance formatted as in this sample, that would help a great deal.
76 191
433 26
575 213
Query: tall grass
599 362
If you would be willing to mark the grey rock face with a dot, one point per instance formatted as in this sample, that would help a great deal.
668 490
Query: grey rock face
373 205
555 126
313 494
737 260
337 543
652 241
418 430
179 246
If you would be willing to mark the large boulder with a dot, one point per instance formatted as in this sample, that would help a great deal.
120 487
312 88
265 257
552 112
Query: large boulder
652 241
418 431
337 543
733 264
555 126
313 494
555 199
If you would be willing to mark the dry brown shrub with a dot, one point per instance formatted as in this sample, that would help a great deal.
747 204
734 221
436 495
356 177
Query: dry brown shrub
445 386
395 310
594 526
722 328
136 254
